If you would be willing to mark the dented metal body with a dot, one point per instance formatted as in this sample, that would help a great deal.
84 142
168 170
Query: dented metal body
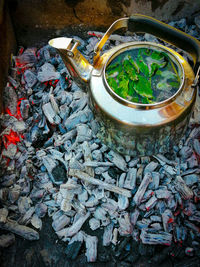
133 128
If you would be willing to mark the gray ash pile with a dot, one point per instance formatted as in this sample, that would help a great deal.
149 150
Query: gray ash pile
53 165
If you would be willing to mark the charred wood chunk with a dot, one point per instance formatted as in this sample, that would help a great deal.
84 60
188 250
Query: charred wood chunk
59 173
142 188
21 230
120 249
163 238
182 188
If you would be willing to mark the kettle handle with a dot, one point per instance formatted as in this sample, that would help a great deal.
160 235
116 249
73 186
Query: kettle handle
142 23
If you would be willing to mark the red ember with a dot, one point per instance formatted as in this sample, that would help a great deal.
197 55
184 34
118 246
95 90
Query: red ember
11 138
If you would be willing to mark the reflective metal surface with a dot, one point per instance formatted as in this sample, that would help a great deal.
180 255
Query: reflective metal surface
138 129
132 128
118 24
78 66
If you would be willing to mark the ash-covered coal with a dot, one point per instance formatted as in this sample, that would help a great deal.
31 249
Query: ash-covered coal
107 206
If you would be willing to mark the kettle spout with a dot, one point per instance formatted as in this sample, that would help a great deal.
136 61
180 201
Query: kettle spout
79 68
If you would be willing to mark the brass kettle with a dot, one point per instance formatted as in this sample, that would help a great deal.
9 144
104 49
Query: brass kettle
132 128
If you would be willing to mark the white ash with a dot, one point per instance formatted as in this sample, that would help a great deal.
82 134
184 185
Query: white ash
57 131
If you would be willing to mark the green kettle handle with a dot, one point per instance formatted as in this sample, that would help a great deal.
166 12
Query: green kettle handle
142 23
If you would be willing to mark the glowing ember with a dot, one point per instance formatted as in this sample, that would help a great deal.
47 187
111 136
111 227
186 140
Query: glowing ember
18 115
51 83
12 138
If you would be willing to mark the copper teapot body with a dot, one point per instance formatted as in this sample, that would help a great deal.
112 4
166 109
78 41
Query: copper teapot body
131 128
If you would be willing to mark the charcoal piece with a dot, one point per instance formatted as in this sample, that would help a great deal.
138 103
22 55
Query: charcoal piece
13 195
73 249
64 111
130 180
24 204
150 167
3 215
91 247
162 238
133 163
107 235
54 103
189 251
94 223
24 108
97 155
172 203
178 233
84 133
59 173
14 82
192 226
147 195
193 161
144 223
195 217
142 188
47 73
10 152
196 145
118 160
40 210
185 152
155 218
38 137
85 177
125 226
168 219
182 188
60 222
123 202
10 99
79 104
36 222
63 82
50 114
191 179
156 226
169 169
74 228
21 230
122 246
155 180
30 78
36 194
148 213
82 116
95 127
189 208
151 203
